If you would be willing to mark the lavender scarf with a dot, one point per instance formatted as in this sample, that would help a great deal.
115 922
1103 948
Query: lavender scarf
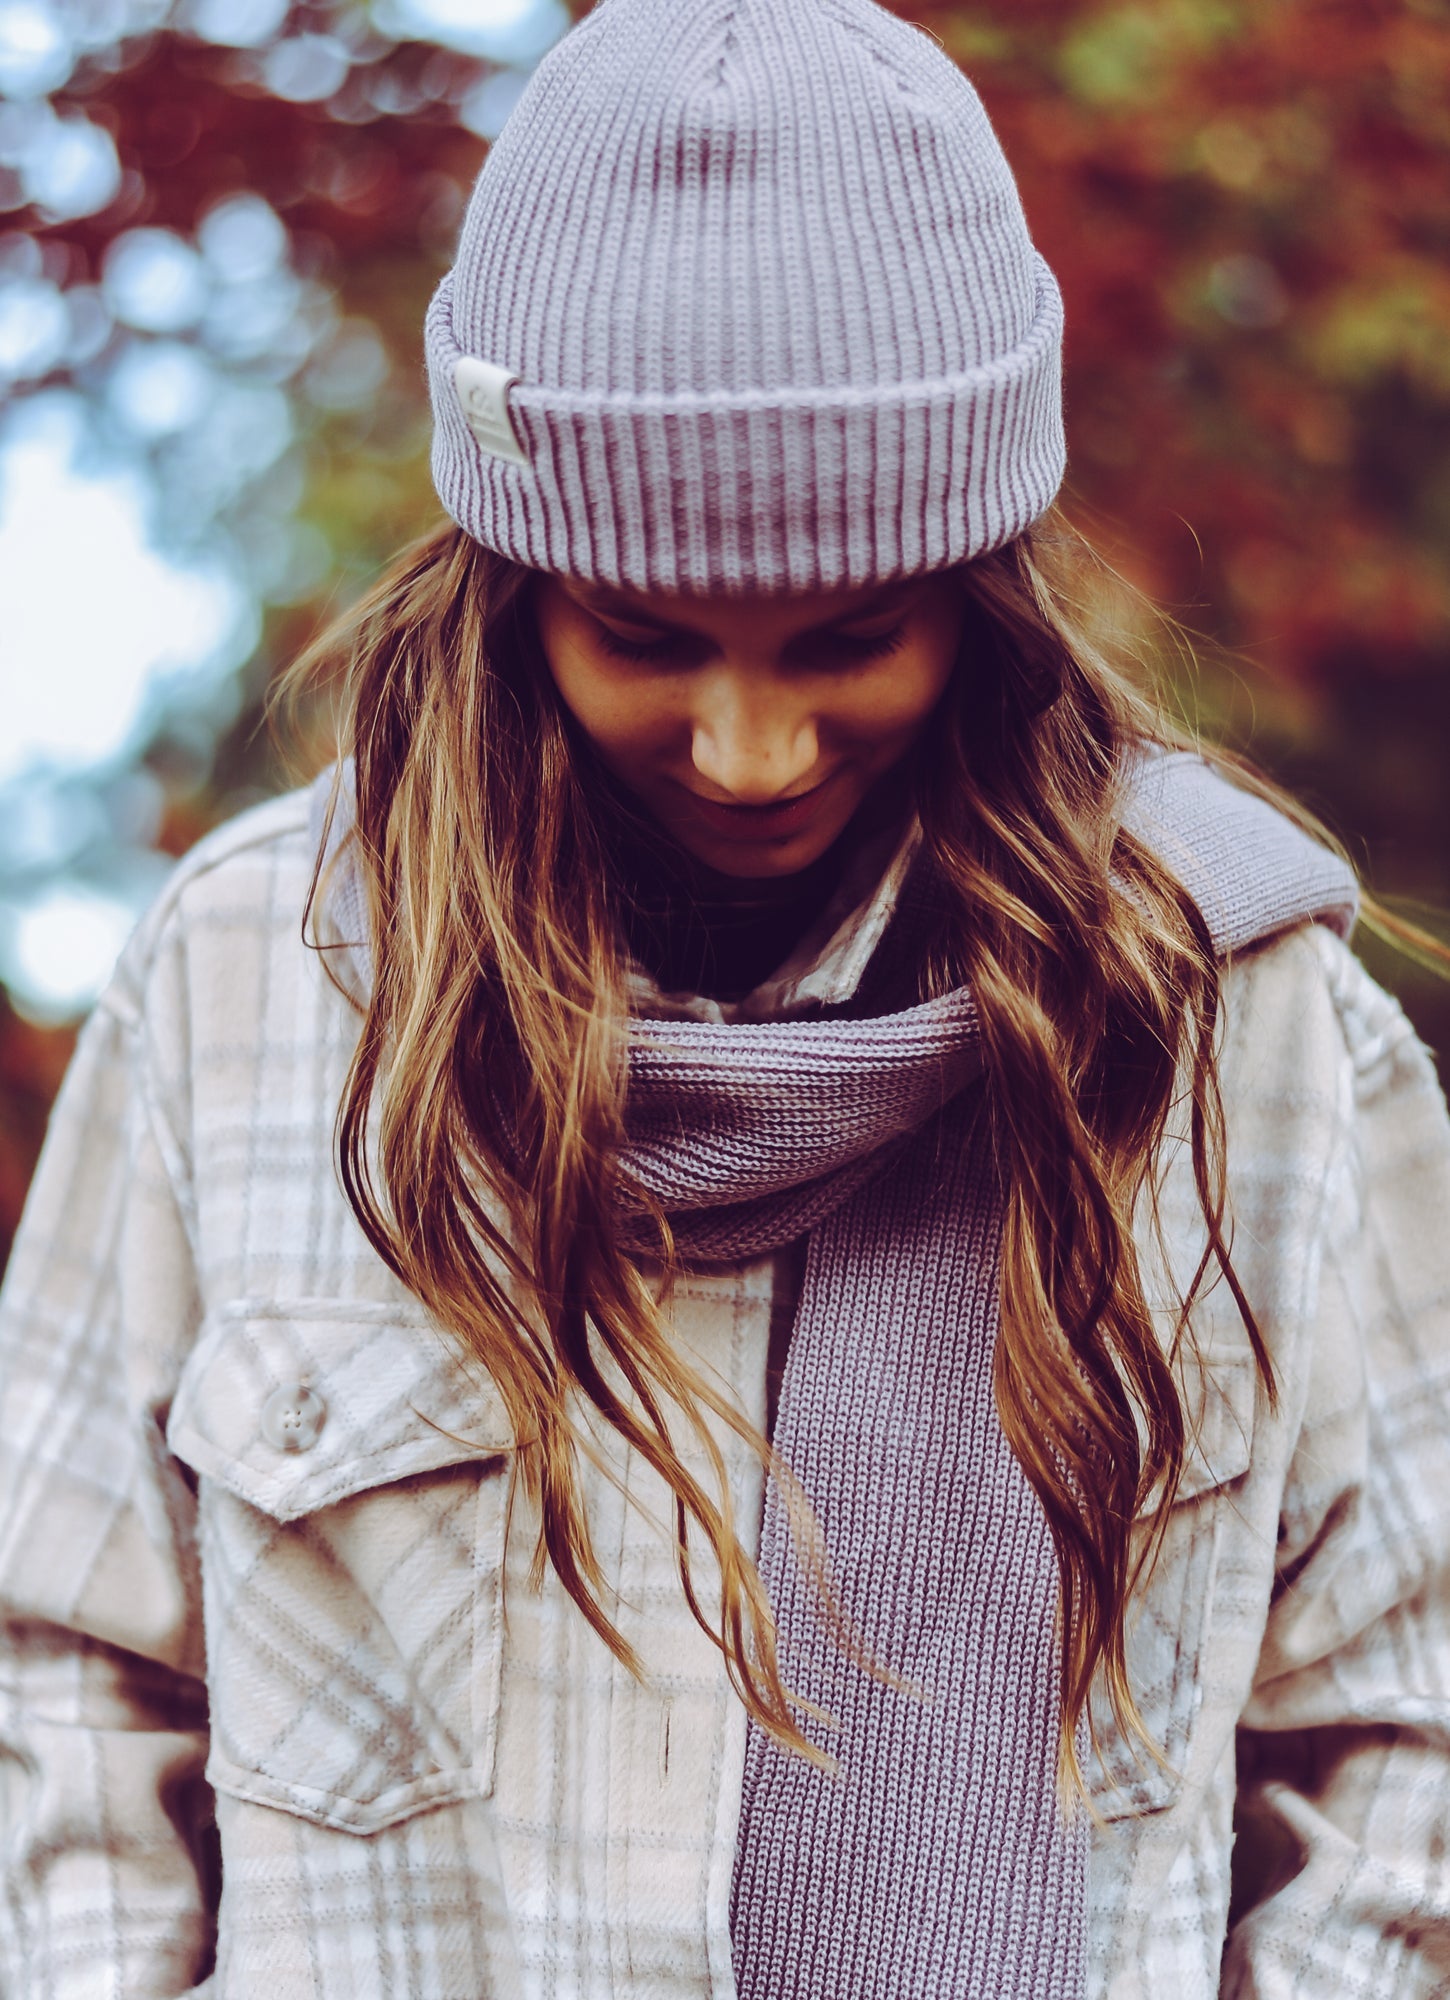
936 1861
935 1864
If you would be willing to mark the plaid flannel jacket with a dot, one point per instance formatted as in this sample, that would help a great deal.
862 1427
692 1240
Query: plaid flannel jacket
297 1722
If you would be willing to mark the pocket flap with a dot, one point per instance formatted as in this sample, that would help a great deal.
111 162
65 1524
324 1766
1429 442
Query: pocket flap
1219 1396
1168 1621
383 1394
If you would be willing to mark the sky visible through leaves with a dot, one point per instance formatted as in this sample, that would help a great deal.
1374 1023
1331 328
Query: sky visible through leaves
220 223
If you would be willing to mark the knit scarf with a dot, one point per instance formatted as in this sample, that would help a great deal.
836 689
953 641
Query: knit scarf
934 1861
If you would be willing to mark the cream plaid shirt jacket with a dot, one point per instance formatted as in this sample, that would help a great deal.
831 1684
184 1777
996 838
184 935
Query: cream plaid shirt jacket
279 1722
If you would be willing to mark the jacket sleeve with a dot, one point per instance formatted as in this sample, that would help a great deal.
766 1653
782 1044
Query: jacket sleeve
1342 1862
105 1870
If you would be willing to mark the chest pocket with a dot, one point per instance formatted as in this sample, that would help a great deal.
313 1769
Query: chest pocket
1171 1617
353 1504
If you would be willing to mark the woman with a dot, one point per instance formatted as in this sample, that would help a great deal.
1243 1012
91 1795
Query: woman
775 1001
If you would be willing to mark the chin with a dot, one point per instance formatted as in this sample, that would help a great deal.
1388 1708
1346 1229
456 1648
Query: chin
754 860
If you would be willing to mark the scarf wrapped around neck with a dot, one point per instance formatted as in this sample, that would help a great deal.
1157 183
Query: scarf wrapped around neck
934 1862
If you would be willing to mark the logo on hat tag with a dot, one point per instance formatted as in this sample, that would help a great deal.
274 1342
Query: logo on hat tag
483 395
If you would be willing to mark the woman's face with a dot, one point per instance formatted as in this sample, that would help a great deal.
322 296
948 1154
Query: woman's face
751 728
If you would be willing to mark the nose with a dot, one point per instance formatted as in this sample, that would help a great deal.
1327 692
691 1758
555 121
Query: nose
753 742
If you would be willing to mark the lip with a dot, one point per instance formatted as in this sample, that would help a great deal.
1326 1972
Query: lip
765 822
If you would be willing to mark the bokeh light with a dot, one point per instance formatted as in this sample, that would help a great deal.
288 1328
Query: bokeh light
506 31
35 52
172 364
58 950
35 326
238 24
154 281
70 169
98 626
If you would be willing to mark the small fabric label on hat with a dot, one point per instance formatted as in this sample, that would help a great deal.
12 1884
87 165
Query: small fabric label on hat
483 395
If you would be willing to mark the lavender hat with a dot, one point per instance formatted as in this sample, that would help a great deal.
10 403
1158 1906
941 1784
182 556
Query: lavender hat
745 300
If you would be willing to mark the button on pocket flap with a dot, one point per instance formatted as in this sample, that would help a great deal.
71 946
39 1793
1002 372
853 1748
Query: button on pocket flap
296 1404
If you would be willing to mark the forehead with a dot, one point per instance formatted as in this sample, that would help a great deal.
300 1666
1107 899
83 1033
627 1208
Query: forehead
747 619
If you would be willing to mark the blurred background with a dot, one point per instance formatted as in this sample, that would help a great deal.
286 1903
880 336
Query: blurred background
220 221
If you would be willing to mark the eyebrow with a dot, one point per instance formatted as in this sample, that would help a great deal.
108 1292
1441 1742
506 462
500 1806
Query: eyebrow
605 603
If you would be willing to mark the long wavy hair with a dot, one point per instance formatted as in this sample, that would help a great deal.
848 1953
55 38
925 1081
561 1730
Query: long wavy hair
482 1126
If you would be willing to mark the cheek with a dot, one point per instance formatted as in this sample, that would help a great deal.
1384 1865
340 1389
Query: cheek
896 703
622 720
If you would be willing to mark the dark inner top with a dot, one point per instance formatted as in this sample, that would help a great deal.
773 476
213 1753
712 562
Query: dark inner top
695 930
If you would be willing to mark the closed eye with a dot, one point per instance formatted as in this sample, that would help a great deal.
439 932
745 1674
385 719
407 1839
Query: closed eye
664 650
825 650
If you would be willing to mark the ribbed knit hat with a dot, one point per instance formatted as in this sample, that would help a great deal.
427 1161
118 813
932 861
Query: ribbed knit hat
745 300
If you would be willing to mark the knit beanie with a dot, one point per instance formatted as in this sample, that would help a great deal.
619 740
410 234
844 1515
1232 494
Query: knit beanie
745 301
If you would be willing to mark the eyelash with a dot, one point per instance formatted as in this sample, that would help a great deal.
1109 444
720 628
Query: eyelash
855 651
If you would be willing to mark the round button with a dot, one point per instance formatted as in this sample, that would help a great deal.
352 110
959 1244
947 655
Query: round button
292 1417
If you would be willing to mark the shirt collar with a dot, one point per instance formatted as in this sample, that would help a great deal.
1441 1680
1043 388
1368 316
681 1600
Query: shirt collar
827 964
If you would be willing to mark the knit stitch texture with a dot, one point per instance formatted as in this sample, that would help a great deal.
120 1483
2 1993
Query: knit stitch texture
935 1864
935 1861
759 309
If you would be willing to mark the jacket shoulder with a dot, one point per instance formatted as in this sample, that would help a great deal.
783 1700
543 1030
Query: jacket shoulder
1302 1011
244 882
